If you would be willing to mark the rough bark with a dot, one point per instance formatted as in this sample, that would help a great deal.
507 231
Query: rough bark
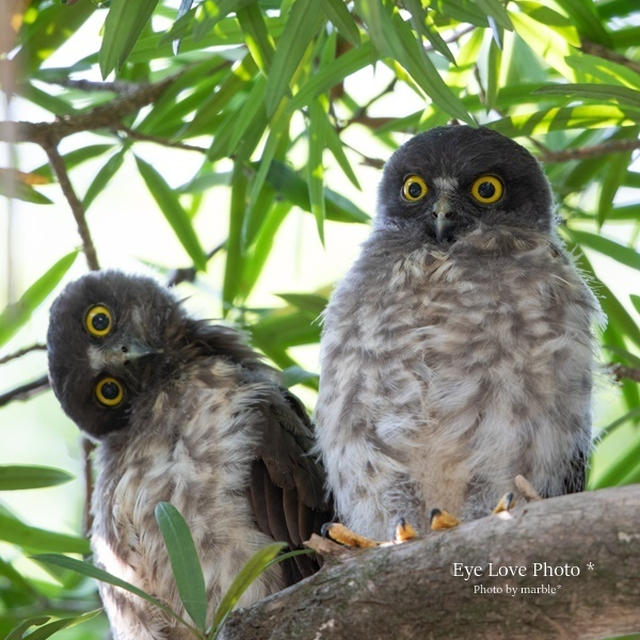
410 590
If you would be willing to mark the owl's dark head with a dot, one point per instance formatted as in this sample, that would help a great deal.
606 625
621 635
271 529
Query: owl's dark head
448 181
114 339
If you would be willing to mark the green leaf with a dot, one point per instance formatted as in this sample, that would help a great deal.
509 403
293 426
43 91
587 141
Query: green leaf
602 92
184 562
15 184
616 473
21 534
174 213
260 561
630 415
314 166
105 173
635 300
497 11
420 22
312 303
47 630
394 39
18 477
583 14
605 71
235 256
122 27
73 159
256 35
302 25
17 632
16 314
619 252
336 11
295 375
88 570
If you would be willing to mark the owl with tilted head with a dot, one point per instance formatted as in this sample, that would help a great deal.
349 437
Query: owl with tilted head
184 412
458 351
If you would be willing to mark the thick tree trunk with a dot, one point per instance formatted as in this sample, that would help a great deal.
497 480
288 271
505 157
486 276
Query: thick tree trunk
567 567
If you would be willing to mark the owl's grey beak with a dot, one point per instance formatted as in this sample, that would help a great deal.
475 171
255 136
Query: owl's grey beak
131 350
442 212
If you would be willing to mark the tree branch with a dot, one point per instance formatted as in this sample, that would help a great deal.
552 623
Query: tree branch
622 371
608 54
136 135
25 391
419 590
21 352
613 146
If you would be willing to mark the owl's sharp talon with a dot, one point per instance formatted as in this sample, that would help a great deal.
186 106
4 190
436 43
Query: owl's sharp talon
504 504
440 520
337 532
404 532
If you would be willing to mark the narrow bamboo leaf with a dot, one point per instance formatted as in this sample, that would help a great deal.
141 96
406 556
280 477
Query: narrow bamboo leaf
214 13
421 23
314 166
254 218
234 263
47 630
293 188
16 184
17 532
17 632
635 300
584 16
605 71
15 315
295 375
619 252
630 415
343 66
334 144
616 472
496 10
174 213
623 354
604 92
310 302
122 27
336 11
184 562
256 35
54 104
610 183
88 570
102 178
73 159
18 477
185 5
17 580
303 23
493 74
254 567
394 39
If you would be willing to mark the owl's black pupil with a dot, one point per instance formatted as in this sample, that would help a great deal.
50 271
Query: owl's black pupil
110 390
487 190
100 321
415 190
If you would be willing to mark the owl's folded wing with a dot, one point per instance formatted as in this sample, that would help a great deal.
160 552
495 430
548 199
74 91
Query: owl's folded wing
286 490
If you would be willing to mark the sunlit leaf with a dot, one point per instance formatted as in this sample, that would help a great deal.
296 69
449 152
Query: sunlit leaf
235 255
17 184
122 27
102 178
314 166
46 630
73 159
184 562
607 247
16 314
256 35
336 11
583 14
604 92
17 477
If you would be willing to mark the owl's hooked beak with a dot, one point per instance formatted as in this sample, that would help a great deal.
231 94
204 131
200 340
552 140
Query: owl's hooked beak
131 350
442 213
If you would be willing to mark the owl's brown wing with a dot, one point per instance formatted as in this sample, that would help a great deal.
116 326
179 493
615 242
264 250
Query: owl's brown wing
286 491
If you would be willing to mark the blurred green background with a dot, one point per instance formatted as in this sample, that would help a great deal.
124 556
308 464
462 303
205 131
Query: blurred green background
267 145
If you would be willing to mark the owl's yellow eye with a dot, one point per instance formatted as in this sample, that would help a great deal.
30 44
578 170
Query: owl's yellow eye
487 189
98 320
109 392
414 188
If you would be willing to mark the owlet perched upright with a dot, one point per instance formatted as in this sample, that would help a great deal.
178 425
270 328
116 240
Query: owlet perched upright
184 412
457 352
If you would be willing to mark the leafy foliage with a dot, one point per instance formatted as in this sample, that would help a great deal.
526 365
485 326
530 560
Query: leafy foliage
273 86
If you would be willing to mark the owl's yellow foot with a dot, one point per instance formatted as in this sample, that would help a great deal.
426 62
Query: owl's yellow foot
442 520
337 532
404 532
504 504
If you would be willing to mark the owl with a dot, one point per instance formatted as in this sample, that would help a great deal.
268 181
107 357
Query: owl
185 412
457 352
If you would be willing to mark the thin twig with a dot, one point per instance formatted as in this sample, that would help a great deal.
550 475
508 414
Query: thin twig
25 391
59 168
621 371
123 88
136 135
188 274
22 352
608 54
613 146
